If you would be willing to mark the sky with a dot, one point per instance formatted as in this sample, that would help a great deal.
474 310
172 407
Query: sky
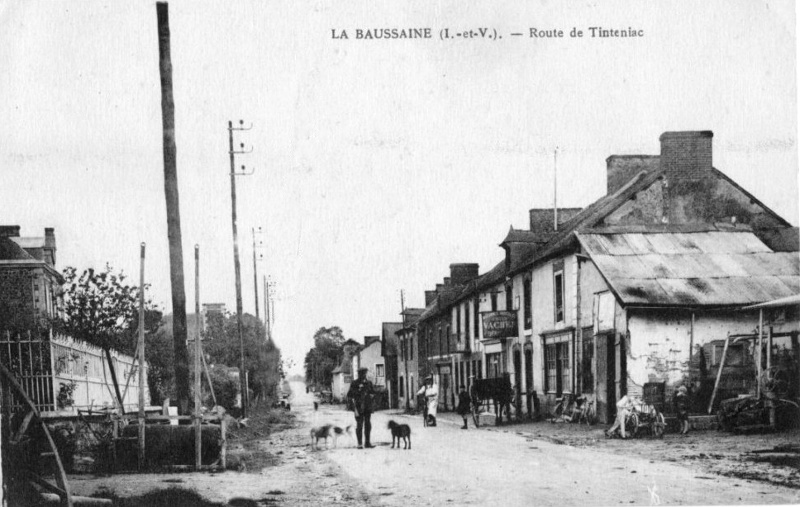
378 163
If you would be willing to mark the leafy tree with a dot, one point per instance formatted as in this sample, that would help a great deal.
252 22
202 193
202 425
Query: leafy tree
103 310
262 359
325 356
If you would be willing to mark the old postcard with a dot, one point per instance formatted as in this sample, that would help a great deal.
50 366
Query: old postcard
250 248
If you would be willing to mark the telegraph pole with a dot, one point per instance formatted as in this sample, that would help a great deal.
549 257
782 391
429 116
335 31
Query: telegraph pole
404 349
236 265
255 266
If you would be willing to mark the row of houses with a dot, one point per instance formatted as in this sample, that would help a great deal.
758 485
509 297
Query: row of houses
644 285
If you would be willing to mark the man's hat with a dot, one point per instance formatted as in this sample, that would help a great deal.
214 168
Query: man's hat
363 369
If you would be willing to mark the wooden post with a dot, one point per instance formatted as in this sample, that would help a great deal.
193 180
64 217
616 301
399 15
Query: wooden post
758 361
223 452
173 210
197 373
769 348
141 364
719 373
208 377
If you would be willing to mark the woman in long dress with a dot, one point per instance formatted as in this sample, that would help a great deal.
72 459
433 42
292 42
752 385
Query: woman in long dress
431 393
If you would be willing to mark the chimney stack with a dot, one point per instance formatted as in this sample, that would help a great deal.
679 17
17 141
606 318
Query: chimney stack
447 281
430 297
689 182
9 231
462 273
686 156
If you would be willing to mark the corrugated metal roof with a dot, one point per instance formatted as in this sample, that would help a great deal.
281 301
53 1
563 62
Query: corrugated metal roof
713 268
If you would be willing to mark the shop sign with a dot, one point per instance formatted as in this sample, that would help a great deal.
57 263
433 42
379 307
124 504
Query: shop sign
497 325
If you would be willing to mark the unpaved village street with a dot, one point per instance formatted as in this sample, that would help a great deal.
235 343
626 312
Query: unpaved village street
446 466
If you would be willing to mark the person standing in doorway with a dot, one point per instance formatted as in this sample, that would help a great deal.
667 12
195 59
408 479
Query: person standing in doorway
431 395
359 398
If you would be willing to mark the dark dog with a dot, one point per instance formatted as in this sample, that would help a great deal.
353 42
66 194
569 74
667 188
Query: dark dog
400 431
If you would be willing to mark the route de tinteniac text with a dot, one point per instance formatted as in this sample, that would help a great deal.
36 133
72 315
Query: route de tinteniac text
452 33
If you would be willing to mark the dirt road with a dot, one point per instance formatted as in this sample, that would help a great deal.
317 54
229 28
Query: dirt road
446 466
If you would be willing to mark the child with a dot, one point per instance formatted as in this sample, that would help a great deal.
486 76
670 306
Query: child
682 408
463 405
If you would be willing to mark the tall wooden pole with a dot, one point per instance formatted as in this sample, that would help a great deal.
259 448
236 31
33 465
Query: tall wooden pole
404 350
266 307
173 211
141 455
255 271
237 273
197 372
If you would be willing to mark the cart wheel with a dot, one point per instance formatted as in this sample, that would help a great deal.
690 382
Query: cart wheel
658 425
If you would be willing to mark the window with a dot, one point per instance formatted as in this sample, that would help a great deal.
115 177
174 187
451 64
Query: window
526 296
494 301
411 347
558 287
402 387
466 322
493 365
458 322
379 371
551 367
557 367
509 298
477 316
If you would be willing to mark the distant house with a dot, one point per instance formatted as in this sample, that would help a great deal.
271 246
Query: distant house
389 352
30 285
408 358
369 357
342 375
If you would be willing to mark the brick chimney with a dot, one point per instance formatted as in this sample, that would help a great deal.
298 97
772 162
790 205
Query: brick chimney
9 231
620 169
461 273
447 282
430 297
50 245
689 182
686 155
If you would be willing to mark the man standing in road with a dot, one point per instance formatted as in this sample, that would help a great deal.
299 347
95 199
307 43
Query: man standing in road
359 398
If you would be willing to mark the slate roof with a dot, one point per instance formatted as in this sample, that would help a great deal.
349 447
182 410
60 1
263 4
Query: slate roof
691 269
11 251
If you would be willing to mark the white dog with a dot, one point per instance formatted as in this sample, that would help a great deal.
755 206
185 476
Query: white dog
328 431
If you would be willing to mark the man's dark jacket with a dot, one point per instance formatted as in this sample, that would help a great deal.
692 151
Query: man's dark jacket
360 396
